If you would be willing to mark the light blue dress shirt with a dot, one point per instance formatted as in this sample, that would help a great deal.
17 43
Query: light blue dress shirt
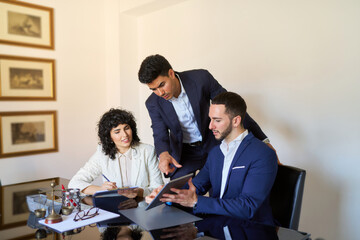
186 116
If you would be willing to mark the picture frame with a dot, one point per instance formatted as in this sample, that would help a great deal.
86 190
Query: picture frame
26 133
49 236
14 210
26 24
25 78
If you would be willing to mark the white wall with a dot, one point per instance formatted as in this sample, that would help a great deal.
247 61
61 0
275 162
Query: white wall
85 66
296 63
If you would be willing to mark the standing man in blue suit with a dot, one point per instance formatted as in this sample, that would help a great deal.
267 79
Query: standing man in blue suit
178 108
241 170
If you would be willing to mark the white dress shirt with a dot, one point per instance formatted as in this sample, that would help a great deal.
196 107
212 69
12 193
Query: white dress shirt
144 169
229 151
125 168
186 116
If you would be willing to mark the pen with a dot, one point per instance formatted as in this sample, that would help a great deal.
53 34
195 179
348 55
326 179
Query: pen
105 177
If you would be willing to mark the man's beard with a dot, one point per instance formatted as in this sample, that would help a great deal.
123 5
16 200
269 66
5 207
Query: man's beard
225 133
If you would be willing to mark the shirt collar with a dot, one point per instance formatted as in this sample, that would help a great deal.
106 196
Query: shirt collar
127 154
182 93
236 140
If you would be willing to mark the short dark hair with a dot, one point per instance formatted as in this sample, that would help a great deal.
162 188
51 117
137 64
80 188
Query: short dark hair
234 104
108 121
152 67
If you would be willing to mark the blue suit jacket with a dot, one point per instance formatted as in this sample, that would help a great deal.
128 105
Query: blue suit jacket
200 87
249 182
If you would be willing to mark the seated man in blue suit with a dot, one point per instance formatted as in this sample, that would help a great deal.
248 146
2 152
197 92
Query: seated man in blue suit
178 108
241 170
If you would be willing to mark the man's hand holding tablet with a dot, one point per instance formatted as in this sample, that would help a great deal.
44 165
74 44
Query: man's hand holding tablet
171 191
184 197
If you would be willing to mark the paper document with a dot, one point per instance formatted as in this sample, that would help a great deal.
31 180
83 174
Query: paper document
68 222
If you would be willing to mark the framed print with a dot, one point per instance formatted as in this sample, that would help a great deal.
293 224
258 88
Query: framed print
25 133
26 24
46 236
24 78
14 210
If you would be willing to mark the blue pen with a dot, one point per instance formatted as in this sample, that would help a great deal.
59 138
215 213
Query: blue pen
105 177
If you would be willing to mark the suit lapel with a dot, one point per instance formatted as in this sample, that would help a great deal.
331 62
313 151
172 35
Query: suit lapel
216 174
237 157
193 95
169 113
114 166
238 153
135 165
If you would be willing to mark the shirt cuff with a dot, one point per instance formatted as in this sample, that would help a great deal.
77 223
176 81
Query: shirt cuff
195 205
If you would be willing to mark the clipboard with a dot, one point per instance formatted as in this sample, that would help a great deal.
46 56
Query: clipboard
110 193
175 183
108 200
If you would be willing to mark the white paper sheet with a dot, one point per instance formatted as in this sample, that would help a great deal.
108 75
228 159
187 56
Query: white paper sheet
68 223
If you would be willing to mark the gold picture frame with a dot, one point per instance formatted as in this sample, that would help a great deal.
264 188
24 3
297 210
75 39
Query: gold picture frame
25 78
14 210
26 133
26 24
49 236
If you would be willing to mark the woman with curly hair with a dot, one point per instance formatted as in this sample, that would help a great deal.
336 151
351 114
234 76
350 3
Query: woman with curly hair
120 157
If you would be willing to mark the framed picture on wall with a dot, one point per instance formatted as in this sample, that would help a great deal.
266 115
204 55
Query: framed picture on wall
24 78
25 133
14 209
26 24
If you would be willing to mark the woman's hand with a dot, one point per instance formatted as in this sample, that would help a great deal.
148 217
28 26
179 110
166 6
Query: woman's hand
108 186
92 189
131 192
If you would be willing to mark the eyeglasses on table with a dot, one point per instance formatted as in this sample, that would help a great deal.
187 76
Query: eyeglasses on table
86 214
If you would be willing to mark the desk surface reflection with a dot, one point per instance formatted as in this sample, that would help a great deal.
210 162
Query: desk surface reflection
211 227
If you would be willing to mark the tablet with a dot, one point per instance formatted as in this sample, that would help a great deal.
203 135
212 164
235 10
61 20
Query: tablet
175 183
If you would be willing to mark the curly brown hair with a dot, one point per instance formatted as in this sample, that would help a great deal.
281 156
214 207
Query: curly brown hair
112 119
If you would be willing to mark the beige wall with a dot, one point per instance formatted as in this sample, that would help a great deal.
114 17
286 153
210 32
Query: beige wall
80 55
296 63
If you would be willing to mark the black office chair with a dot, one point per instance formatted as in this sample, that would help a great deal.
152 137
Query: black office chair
286 196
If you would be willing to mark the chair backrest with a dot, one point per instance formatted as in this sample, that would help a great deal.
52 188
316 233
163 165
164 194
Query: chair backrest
286 196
